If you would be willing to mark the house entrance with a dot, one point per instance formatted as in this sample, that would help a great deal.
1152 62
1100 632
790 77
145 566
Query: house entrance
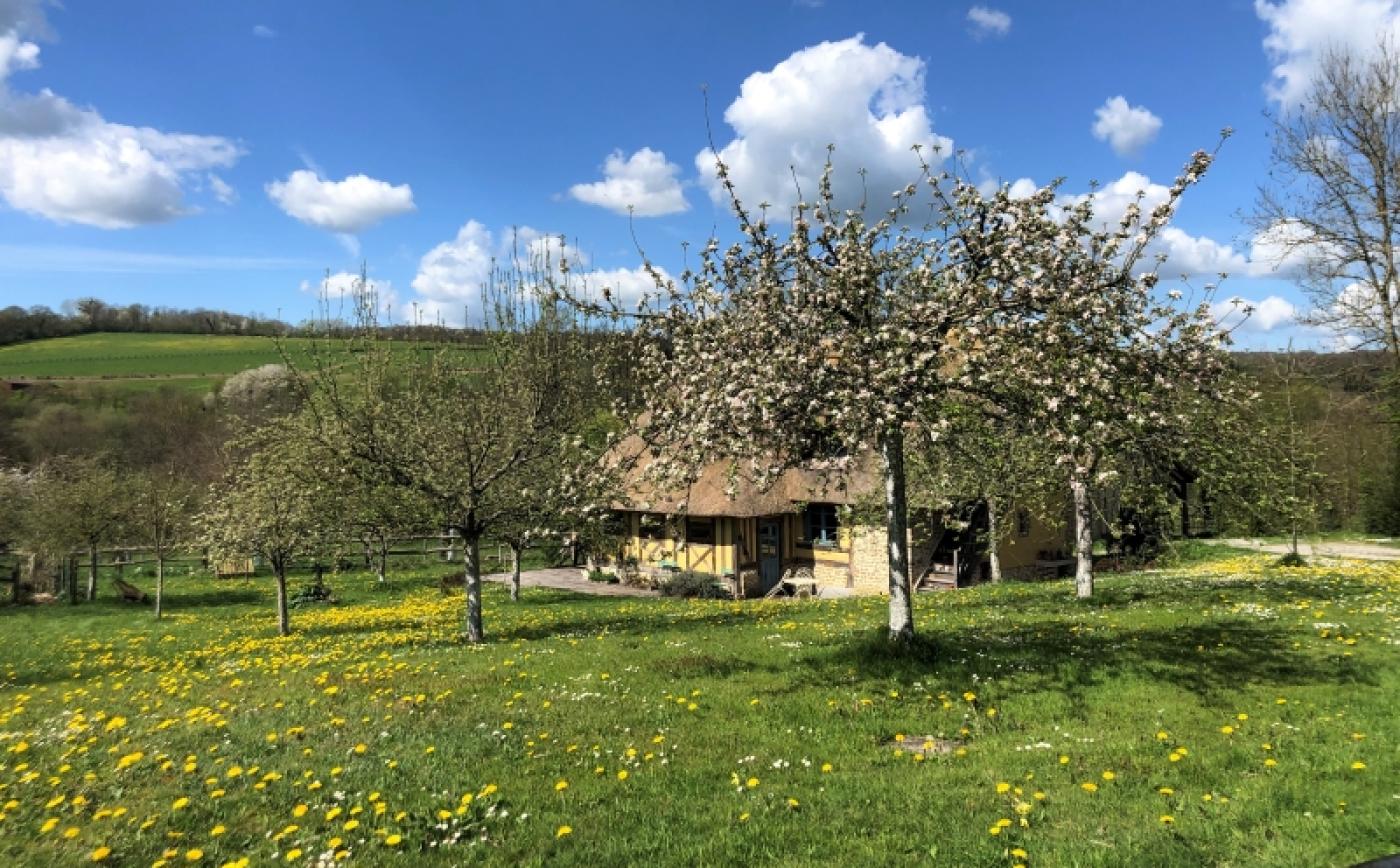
770 553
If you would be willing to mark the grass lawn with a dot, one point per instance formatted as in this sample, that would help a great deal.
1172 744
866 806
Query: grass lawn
1224 713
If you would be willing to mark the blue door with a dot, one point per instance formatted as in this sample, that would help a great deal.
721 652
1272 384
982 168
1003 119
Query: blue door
770 553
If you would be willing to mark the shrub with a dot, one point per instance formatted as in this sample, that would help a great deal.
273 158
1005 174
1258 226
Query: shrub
602 576
690 584
1292 559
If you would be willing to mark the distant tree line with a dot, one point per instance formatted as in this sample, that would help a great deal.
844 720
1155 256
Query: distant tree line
88 315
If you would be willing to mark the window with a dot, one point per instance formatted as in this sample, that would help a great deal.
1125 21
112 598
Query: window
653 526
1023 523
700 530
822 524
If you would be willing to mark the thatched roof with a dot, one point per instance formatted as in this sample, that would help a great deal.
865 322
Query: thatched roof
843 481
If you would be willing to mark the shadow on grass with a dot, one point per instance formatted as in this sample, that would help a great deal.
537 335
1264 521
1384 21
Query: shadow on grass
1210 659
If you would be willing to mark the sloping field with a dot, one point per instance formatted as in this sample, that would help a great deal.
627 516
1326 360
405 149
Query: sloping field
112 356
146 361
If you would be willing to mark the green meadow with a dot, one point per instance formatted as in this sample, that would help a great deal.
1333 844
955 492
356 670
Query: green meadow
124 362
1224 713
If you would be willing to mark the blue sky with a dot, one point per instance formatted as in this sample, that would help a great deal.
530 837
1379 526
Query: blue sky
226 155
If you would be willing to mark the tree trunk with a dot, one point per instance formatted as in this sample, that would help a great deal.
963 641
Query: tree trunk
383 570
92 573
515 574
1083 541
993 540
284 625
471 559
160 581
897 526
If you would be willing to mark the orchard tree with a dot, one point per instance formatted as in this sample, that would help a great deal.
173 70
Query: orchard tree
977 451
474 430
162 515
271 505
78 501
836 337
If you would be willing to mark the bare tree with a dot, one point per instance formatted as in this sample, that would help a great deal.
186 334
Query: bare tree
162 513
1332 203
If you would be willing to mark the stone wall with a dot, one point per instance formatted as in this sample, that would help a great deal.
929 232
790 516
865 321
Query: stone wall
870 561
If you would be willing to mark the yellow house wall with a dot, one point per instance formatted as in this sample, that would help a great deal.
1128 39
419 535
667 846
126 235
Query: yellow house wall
717 557
1021 552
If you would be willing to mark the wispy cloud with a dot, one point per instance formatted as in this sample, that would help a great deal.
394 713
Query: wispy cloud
63 258
262 31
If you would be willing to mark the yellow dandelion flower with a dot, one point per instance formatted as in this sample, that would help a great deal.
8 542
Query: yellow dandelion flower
101 853
393 840
564 831
560 786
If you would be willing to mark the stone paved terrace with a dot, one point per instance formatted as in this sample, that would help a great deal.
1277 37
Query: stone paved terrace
569 579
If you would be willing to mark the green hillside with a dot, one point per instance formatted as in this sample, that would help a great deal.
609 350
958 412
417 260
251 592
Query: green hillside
143 361
138 356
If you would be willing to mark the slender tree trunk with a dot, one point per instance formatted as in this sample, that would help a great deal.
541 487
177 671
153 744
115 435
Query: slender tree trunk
284 624
160 581
92 573
897 526
471 558
382 573
514 573
1083 540
993 540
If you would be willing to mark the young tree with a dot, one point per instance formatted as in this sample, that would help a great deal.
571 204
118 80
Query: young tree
162 514
837 337
272 505
78 501
979 452
465 427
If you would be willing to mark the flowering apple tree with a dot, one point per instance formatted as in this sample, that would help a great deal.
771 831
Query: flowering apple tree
836 337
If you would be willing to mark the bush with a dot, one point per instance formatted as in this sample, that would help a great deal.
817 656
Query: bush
602 576
1292 559
312 594
690 584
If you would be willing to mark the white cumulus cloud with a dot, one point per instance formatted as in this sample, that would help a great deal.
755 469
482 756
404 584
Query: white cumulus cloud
451 275
988 22
1301 32
71 165
347 206
644 184
342 288
1127 129
866 100
1262 316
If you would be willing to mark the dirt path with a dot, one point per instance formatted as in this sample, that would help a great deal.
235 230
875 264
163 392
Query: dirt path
568 579
1359 550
